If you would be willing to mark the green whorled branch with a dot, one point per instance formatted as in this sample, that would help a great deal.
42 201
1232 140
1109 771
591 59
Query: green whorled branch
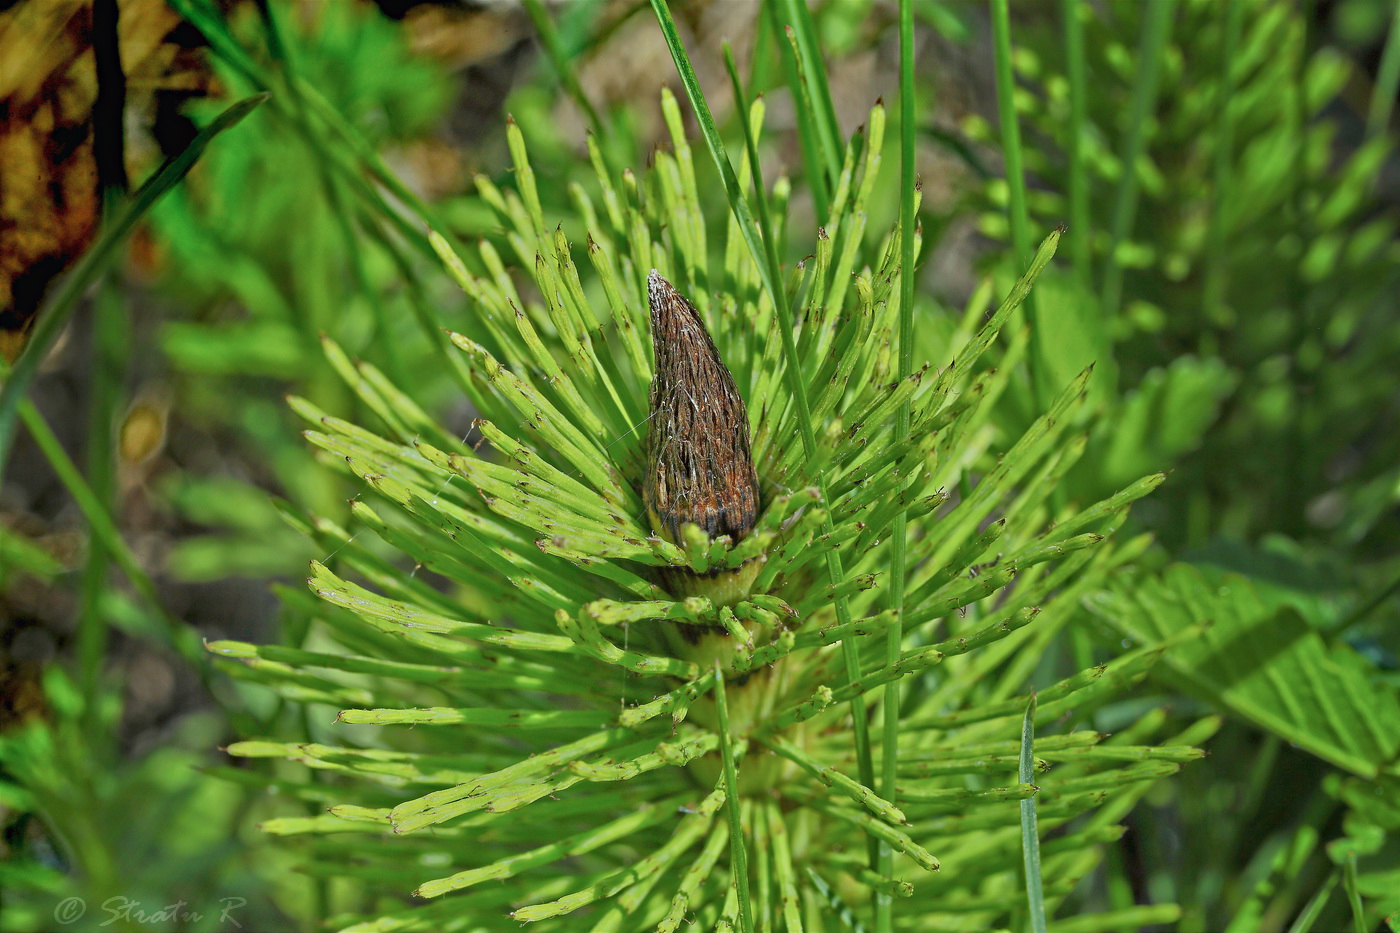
508 629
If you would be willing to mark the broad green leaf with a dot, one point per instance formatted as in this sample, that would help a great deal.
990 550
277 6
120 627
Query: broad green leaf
1167 415
1262 661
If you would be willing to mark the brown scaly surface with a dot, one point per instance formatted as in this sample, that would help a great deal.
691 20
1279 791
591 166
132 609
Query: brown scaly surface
48 174
699 464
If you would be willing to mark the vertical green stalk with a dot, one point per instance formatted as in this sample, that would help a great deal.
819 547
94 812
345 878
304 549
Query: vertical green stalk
739 860
1359 614
1358 913
894 635
808 136
1387 80
1015 176
741 103
109 355
385 340
182 638
549 38
1217 251
109 350
1310 912
1156 28
761 62
1296 460
1081 239
765 257
1030 831
799 19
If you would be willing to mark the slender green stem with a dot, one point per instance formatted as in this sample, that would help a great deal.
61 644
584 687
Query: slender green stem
109 350
1309 914
1015 176
808 136
799 18
549 37
1359 614
104 529
764 252
1299 453
1030 832
1358 913
751 147
109 347
1082 236
1156 29
1218 251
357 159
386 340
1261 775
738 852
1387 80
894 635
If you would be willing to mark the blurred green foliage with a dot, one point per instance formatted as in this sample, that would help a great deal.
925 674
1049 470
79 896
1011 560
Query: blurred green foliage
1258 273
1252 351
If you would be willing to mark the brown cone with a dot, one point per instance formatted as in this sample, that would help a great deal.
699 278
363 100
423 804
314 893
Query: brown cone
699 464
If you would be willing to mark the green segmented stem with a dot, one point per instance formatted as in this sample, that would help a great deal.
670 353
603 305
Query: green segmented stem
1015 174
829 776
1030 833
765 257
739 866
1081 246
1156 30
894 635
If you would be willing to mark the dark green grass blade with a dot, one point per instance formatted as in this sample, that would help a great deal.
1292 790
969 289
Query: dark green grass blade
109 366
104 530
1387 80
741 102
808 136
1362 612
111 347
1313 909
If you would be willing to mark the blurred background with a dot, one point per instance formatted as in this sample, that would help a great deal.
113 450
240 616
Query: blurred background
1228 171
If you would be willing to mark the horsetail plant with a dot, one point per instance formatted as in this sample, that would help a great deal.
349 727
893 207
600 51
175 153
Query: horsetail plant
590 664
